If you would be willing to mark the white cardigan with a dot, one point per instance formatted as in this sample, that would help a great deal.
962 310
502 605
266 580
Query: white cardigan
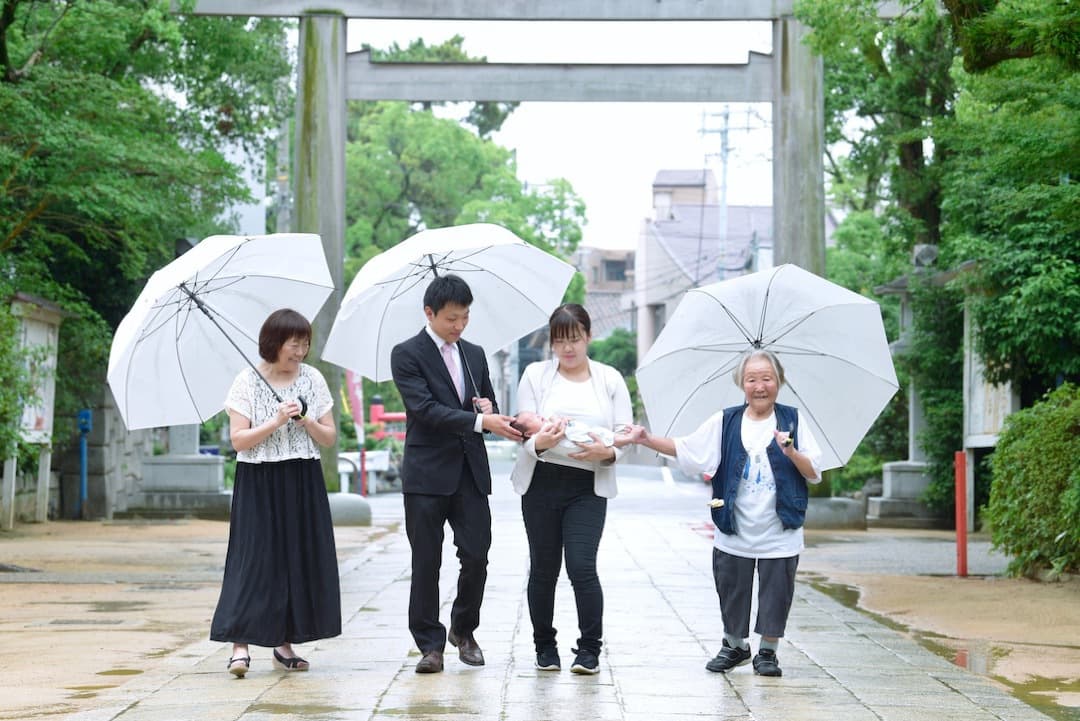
612 398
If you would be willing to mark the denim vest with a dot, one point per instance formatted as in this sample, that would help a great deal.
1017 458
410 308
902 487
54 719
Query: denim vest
791 489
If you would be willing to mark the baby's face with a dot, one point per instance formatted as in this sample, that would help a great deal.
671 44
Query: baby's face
527 422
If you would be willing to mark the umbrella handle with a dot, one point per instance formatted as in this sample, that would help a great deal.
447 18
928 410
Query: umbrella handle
303 408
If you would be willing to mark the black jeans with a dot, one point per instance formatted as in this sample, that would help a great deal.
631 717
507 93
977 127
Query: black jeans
563 514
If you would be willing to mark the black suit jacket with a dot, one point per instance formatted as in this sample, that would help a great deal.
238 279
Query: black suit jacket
439 435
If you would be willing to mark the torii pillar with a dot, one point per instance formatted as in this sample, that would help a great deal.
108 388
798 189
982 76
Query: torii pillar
320 172
798 149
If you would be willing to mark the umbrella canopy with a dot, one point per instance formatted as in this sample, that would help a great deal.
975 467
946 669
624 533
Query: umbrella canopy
515 288
196 323
831 342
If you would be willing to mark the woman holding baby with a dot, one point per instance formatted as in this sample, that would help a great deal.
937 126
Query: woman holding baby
564 490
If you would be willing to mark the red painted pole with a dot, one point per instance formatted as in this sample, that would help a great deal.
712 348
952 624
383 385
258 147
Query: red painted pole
960 463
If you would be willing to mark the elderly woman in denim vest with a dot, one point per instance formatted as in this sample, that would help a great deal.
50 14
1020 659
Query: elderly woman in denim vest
761 458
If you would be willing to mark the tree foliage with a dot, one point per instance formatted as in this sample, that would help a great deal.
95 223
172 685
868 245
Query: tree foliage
485 116
1014 216
960 129
618 350
408 167
887 85
989 32
112 116
887 82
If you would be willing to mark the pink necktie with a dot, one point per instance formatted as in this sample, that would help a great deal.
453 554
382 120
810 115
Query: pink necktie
448 358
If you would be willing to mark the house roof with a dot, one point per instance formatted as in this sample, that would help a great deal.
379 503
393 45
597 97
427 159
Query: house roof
692 178
690 234
607 312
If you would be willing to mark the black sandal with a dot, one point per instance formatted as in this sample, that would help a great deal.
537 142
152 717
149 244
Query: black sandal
242 664
293 663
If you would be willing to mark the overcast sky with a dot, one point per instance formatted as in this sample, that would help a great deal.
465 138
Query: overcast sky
610 152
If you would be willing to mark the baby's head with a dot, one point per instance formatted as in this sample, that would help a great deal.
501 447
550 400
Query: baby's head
527 422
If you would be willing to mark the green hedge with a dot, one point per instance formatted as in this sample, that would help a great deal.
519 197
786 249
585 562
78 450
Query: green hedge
1034 509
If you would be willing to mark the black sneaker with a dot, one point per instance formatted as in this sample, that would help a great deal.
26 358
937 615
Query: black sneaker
728 658
766 663
547 659
585 662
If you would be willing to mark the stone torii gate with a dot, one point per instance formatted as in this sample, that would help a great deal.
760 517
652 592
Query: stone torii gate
791 79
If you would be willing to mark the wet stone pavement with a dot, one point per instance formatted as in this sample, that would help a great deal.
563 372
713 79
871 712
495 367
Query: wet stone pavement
662 623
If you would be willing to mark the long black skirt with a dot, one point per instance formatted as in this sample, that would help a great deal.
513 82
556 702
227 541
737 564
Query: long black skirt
281 574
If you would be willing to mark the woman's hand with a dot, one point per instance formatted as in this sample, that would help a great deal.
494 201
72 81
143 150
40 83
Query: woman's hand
786 442
594 452
285 411
550 434
637 434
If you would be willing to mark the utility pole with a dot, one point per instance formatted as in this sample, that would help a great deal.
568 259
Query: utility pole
724 131
725 150
282 196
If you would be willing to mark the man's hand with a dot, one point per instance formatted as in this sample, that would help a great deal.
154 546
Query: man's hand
482 405
500 426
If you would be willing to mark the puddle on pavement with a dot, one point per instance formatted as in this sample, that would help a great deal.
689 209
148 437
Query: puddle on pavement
84 692
424 710
1057 698
300 710
12 568
116 606
120 672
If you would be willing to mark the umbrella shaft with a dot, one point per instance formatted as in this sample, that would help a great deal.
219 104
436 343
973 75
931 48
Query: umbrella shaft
206 309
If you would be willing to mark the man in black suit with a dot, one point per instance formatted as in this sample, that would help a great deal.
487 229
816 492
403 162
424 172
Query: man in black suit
444 470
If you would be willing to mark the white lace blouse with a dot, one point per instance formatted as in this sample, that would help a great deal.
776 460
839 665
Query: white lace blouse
250 397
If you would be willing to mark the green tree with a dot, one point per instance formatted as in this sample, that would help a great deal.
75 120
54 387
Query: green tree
485 116
1013 210
618 350
111 119
409 168
991 32
888 86
888 83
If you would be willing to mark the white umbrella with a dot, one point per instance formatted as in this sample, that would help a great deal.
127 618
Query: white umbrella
196 323
515 288
831 342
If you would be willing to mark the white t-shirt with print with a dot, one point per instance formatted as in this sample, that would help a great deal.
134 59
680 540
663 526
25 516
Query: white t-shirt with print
250 397
759 531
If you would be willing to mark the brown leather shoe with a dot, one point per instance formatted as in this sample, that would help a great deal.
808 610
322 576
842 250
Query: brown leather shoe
432 662
468 650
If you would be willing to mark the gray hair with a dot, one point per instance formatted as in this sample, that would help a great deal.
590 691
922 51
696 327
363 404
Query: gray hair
749 355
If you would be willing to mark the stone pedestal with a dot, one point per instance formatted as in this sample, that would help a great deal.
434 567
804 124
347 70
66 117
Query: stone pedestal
182 482
900 504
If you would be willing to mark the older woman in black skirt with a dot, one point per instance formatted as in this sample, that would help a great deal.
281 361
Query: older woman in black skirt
281 578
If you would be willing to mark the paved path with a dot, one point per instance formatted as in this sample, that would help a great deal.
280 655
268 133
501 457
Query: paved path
662 623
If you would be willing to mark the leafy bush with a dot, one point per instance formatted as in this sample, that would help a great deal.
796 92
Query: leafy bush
1034 509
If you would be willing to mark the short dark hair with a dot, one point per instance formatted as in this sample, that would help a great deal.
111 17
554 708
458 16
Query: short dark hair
445 289
568 320
278 328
